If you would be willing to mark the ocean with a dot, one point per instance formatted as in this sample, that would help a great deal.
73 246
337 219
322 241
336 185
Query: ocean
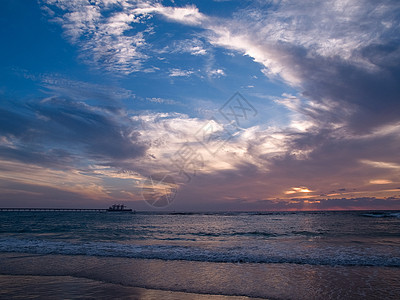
270 255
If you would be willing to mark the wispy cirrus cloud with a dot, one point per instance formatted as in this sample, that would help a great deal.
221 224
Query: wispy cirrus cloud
108 96
193 46
180 73
99 30
189 14
61 86
107 31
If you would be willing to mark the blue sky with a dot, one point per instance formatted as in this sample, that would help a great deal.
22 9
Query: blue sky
99 96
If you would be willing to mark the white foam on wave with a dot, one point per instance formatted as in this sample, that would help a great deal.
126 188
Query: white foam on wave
382 215
355 256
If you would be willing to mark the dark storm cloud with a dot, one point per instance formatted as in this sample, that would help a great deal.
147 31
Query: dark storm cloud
373 96
105 136
59 131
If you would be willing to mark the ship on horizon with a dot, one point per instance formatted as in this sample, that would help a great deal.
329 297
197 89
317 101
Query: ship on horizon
119 208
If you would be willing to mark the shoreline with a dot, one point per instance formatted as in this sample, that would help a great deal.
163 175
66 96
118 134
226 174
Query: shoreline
201 280
64 276
70 287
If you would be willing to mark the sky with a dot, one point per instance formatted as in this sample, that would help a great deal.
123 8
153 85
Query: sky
200 105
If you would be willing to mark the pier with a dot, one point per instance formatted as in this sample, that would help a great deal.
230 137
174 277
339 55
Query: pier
52 209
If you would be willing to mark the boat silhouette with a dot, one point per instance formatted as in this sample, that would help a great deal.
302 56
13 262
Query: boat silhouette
119 208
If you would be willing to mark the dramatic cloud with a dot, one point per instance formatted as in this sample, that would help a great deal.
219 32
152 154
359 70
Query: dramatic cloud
344 54
323 76
63 124
339 53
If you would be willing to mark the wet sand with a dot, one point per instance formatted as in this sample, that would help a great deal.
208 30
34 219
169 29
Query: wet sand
67 287
28 276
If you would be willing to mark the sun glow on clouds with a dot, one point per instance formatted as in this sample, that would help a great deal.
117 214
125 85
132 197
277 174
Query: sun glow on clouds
381 164
168 133
72 181
296 190
380 181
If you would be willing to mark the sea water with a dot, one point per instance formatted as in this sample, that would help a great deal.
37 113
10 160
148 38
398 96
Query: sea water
362 248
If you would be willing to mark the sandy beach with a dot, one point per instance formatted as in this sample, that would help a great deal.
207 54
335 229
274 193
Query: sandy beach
68 287
75 285
58 276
